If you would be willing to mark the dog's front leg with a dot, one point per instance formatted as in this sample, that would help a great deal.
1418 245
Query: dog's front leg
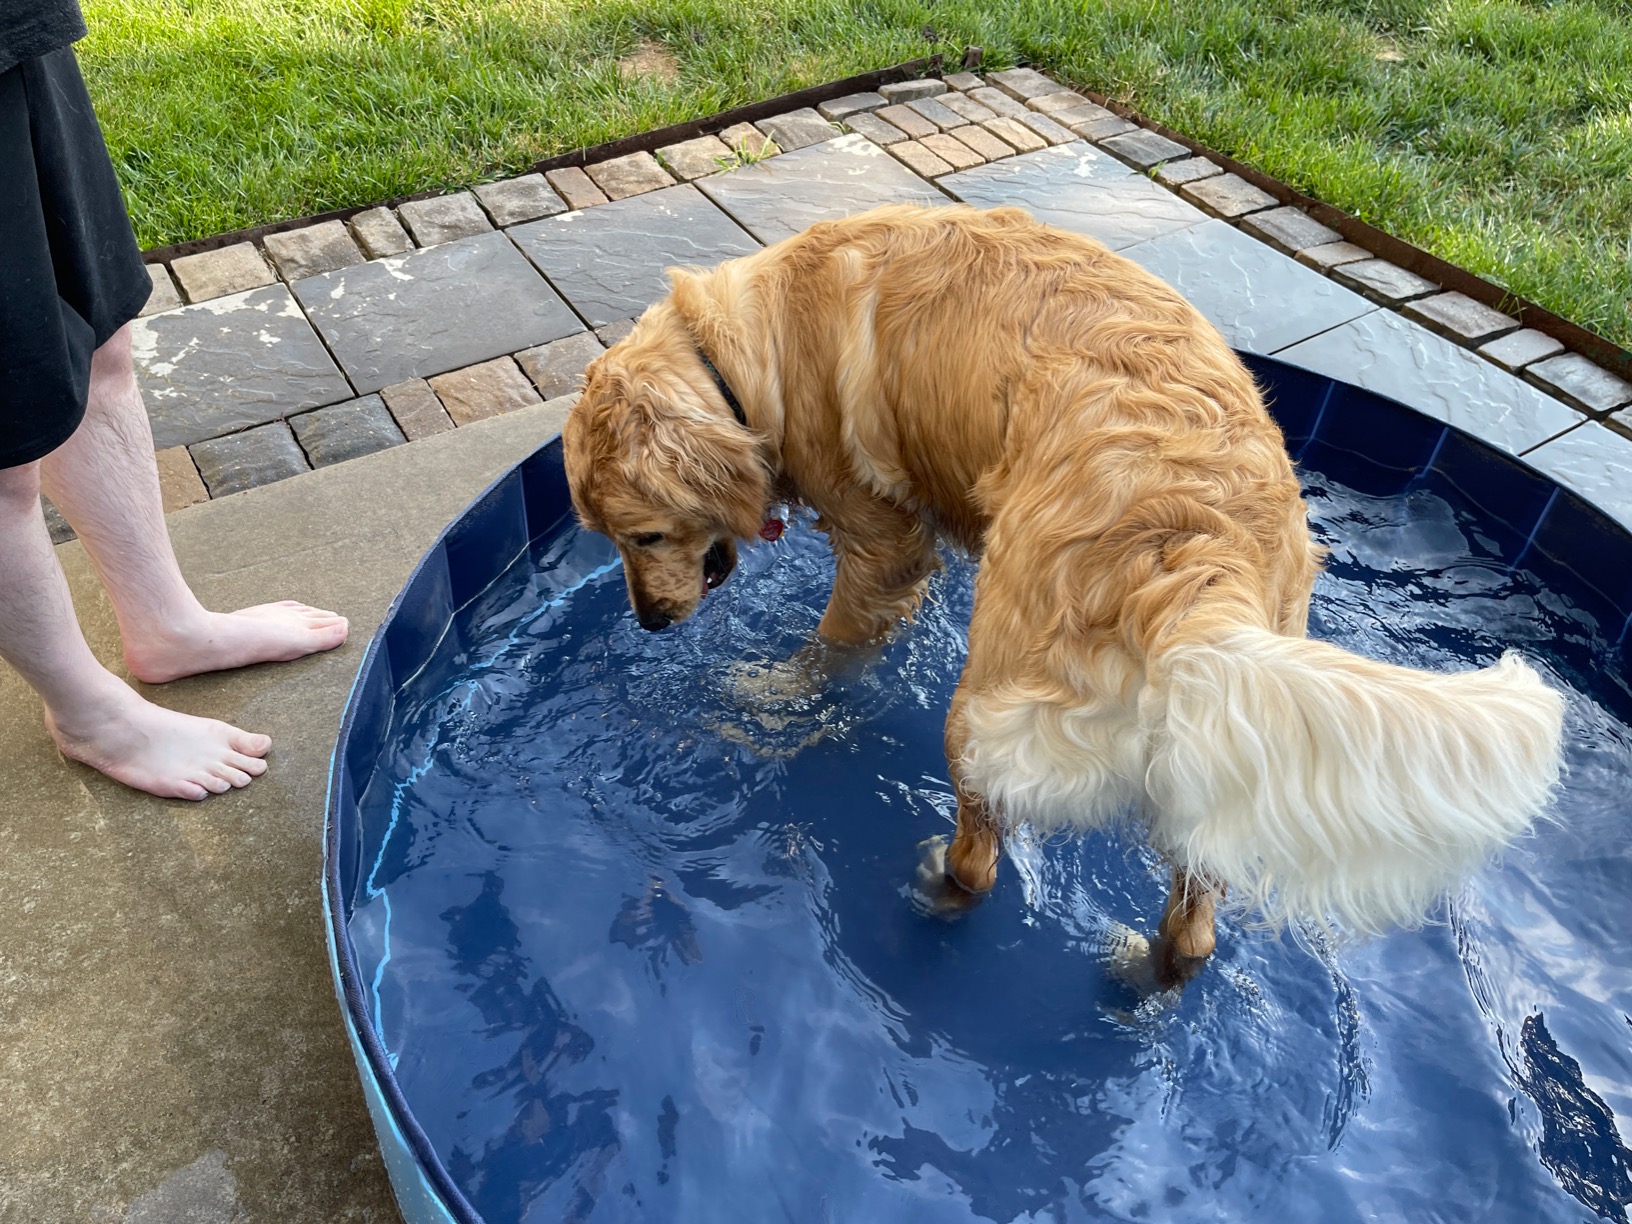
884 564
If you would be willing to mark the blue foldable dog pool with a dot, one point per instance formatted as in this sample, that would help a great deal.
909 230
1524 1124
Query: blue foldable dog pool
619 937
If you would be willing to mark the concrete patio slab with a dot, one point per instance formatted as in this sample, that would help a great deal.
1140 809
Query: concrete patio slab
1405 361
172 1034
608 262
1594 461
229 363
1259 299
427 312
1077 187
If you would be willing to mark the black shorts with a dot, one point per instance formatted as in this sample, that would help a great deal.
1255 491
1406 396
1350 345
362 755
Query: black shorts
71 273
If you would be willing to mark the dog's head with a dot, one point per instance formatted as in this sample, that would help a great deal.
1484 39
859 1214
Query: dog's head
656 461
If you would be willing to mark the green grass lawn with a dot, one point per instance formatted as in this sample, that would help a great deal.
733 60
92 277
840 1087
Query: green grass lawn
1495 134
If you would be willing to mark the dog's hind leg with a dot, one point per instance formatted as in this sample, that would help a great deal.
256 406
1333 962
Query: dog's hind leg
1185 938
958 876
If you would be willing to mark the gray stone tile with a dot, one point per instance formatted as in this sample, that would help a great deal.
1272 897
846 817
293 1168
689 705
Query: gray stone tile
907 91
489 389
1227 195
851 104
1144 148
1077 187
909 121
1289 229
379 233
1460 317
875 129
777 198
1259 299
524 198
1333 254
1024 83
1054 133
418 413
240 360
55 525
630 175
247 460
164 295
1581 382
797 129
613 332
444 218
748 142
962 80
608 262
1521 348
1014 133
1405 361
312 250
692 159
1382 281
426 312
576 187
1177 173
214 274
918 157
1596 463
1096 127
943 117
997 101
557 368
346 431
967 108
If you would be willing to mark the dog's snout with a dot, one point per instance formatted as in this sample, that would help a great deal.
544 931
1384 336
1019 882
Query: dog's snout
654 620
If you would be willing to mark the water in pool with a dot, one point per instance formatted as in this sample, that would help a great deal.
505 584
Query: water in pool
642 947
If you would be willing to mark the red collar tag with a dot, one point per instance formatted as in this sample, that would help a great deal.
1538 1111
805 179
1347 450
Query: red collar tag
771 529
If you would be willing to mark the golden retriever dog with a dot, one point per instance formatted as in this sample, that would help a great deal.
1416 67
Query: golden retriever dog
1138 643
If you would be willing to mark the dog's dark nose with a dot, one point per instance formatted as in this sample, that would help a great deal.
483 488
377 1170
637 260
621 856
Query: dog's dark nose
654 620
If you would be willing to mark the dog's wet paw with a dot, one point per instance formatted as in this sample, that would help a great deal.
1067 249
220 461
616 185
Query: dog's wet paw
934 891
774 685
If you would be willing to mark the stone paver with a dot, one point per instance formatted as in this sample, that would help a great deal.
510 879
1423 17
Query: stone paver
998 102
1258 298
415 408
1096 127
779 197
316 248
429 311
608 262
231 362
1289 229
909 121
981 141
1227 195
962 80
918 157
1079 188
346 431
851 104
55 525
486 390
1024 83
1521 348
875 129
525 198
179 482
1594 461
943 117
1460 317
797 129
1054 133
1064 100
953 151
576 187
164 295
249 459
630 175
1013 132
1145 148
379 233
1325 258
692 159
746 139
1382 281
1405 361
907 91
1581 382
444 218
1178 173
613 332
557 368
214 274
967 108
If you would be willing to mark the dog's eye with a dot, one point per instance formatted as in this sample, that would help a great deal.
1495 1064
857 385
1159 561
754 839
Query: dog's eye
647 539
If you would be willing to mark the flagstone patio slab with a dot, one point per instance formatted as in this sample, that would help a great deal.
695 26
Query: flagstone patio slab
427 312
778 198
1405 361
609 261
1259 299
1594 461
231 362
1077 187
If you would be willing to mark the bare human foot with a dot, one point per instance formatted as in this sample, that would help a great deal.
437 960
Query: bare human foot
174 756
219 641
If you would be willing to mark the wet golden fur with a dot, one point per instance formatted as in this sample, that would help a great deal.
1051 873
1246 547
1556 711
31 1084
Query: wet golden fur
1145 564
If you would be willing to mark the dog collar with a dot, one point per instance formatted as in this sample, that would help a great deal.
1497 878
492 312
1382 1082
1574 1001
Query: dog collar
725 390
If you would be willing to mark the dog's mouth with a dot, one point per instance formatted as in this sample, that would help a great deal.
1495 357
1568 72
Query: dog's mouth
718 562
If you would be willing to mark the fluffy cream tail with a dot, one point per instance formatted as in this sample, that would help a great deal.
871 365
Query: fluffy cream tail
1314 782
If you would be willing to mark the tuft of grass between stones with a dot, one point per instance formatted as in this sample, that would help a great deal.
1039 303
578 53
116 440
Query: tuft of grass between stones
1495 133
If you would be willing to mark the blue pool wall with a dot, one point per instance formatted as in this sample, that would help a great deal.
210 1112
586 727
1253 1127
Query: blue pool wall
1374 445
